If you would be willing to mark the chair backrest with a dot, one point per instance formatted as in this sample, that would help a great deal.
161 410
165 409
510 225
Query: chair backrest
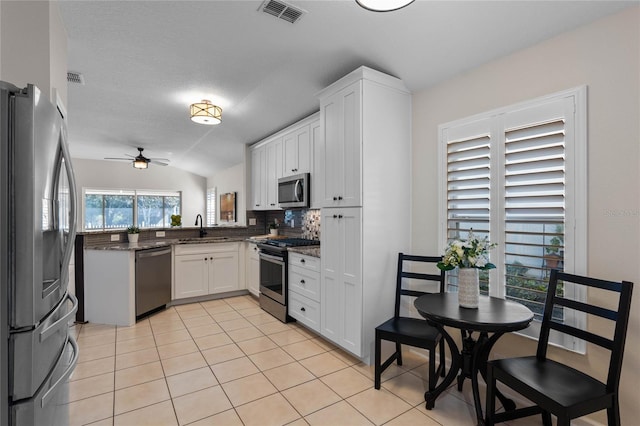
403 262
620 317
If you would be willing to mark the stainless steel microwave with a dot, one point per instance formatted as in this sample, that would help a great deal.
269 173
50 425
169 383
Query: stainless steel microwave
293 191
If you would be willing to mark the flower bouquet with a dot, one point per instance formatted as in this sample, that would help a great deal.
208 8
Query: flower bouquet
472 253
469 256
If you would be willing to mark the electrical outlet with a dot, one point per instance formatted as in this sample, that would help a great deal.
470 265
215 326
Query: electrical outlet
115 237
252 221
159 234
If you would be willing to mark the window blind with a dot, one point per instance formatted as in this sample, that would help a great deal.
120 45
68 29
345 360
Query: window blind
211 206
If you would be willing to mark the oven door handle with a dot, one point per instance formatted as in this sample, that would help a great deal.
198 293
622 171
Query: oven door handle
272 258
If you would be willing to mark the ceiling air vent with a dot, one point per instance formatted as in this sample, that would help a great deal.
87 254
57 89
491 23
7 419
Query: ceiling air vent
75 77
282 10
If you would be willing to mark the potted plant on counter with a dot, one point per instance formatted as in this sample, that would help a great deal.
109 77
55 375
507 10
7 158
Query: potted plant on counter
133 232
176 220
273 227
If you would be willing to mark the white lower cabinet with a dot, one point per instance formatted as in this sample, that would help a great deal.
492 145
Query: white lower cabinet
202 269
341 298
252 268
304 290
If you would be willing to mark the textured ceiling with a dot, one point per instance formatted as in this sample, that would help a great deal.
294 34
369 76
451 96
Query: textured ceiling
144 62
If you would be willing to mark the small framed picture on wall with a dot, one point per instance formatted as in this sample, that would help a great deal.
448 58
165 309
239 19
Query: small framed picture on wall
228 207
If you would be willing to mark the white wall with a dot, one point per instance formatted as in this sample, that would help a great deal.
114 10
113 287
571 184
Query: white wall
605 56
116 175
34 50
232 180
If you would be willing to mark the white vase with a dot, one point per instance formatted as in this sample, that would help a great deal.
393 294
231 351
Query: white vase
273 232
133 238
468 287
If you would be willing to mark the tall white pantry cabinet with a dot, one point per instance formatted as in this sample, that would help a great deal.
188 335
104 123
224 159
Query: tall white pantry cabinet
365 122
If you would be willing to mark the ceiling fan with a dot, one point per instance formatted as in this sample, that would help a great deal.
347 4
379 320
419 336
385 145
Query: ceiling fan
140 161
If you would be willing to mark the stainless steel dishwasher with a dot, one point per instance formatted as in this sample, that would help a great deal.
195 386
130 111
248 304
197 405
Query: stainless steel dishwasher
153 279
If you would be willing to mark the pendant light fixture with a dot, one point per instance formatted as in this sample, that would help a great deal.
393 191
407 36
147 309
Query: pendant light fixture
206 113
383 5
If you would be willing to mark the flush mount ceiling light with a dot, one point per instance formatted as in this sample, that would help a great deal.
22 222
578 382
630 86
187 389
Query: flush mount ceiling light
383 5
206 113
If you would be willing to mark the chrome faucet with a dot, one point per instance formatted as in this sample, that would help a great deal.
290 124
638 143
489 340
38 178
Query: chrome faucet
202 231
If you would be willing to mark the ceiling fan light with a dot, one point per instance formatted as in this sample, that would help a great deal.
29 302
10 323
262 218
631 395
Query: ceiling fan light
140 164
383 5
206 113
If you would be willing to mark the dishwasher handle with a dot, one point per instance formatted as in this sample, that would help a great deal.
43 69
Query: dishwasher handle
140 254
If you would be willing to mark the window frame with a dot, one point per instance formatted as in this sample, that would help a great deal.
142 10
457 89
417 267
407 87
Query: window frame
129 192
575 187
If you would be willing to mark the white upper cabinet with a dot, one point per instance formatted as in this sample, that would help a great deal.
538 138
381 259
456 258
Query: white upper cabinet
316 147
296 151
286 153
340 118
275 159
258 178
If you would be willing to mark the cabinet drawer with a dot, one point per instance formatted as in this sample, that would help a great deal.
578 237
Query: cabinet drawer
201 248
308 262
304 282
304 310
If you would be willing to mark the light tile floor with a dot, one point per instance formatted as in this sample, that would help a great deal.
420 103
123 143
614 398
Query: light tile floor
227 362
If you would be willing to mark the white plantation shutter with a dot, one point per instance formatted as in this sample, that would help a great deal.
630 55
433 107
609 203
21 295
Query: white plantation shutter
468 177
518 176
211 206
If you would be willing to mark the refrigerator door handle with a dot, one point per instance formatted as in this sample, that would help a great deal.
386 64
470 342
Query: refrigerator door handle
72 199
62 322
72 365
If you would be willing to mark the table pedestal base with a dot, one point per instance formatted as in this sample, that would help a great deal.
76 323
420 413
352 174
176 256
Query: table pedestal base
469 362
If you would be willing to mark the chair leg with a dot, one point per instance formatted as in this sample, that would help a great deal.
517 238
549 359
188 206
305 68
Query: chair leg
378 361
564 421
399 352
613 413
442 359
546 418
491 399
433 375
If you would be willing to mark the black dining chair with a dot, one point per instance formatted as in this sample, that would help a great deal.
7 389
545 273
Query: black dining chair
557 388
411 331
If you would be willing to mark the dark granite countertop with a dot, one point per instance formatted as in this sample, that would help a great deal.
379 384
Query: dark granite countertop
313 251
161 242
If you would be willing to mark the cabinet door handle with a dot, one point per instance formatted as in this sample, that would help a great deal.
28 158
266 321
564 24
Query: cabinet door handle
205 259
335 198
301 260
302 282
339 216
335 216
303 309
339 197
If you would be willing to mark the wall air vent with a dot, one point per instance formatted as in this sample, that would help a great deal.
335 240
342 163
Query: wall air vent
282 10
75 77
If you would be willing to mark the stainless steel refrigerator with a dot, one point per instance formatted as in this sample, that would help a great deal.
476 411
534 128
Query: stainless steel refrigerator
37 231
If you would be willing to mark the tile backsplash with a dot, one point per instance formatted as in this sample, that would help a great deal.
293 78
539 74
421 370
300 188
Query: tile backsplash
311 224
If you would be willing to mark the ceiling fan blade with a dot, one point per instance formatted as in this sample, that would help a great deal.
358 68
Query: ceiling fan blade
114 158
158 163
164 160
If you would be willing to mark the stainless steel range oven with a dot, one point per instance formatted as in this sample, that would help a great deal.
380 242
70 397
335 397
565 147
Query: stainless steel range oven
274 274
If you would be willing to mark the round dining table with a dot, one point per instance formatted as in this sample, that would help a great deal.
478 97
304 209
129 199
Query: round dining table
490 320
